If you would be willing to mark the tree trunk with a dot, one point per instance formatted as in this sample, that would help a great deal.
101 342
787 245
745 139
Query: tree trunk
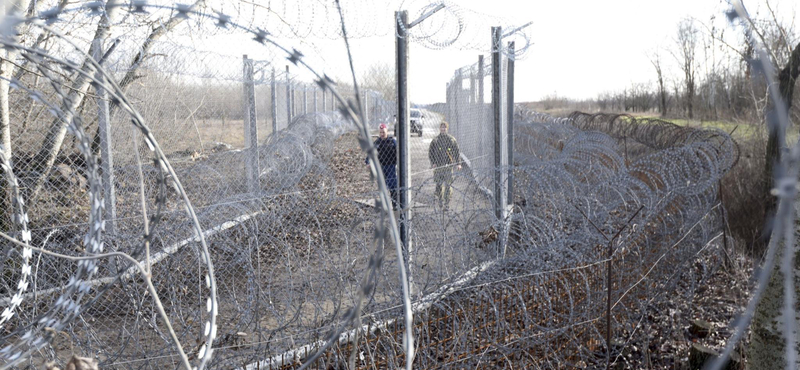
662 107
51 145
54 138
690 95
130 76
787 77
6 71
767 347
767 343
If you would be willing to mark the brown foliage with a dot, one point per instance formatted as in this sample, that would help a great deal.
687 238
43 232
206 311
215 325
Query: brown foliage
742 191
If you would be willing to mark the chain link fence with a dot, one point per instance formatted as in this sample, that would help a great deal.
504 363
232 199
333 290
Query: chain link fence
197 208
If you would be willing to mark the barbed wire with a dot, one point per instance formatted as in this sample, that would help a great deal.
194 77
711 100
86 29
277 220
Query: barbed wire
20 218
783 231
533 301
68 303
203 352
457 27
288 263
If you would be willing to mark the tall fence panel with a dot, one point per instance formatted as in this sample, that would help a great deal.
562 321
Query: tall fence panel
252 229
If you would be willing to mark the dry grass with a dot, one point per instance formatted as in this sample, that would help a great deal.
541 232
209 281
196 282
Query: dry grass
189 135
227 131
743 191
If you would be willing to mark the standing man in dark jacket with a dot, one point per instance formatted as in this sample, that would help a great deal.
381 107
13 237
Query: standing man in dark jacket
444 156
387 155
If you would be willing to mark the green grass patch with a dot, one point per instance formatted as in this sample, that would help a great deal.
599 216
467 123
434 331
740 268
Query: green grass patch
740 130
722 125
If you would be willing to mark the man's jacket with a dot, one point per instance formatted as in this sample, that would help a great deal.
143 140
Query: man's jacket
444 151
387 151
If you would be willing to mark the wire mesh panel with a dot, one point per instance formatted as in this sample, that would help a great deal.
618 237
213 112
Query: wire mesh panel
593 225
469 112
254 223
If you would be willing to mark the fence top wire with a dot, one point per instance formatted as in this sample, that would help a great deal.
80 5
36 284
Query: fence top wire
91 73
576 178
457 27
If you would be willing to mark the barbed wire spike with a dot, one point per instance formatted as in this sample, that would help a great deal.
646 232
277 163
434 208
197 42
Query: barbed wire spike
50 16
260 36
344 111
732 15
183 10
138 6
8 26
94 7
321 83
223 20
295 56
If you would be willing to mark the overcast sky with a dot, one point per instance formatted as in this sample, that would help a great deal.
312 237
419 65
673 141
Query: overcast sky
579 48
582 48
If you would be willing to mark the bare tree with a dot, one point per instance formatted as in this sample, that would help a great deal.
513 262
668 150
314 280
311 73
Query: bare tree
655 60
6 71
787 76
157 30
380 77
767 346
54 137
686 42
707 87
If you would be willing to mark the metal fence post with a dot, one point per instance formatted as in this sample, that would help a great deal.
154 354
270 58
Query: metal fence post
510 121
274 103
448 99
457 92
324 105
498 113
288 98
455 127
403 133
366 107
472 86
480 80
250 127
305 101
107 164
315 100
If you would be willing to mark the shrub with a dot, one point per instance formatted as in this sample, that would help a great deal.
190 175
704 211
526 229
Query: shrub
744 194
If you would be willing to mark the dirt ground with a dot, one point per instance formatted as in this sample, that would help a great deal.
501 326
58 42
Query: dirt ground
709 293
713 294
